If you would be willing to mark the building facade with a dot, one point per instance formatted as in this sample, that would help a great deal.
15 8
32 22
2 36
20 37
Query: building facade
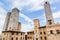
12 27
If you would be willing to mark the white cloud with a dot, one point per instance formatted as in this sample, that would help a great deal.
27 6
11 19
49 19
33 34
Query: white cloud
56 14
26 18
19 4
54 1
2 18
35 4
27 27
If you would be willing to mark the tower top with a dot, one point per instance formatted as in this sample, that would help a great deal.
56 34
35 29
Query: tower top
36 20
8 13
15 9
46 2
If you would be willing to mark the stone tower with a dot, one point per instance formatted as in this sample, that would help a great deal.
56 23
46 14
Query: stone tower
48 13
13 22
6 21
36 29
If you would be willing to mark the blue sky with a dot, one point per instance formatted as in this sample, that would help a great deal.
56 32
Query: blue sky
29 10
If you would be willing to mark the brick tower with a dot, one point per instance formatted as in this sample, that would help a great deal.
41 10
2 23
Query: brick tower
36 29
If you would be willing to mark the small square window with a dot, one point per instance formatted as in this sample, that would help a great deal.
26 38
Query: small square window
44 32
58 32
51 31
40 32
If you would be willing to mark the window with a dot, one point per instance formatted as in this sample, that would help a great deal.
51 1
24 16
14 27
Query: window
44 38
33 32
51 31
46 2
41 38
40 32
58 32
36 38
50 21
12 38
16 38
21 33
28 33
28 37
44 32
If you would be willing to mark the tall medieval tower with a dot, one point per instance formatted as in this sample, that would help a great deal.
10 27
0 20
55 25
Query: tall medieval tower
36 29
11 25
48 13
6 21
11 21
